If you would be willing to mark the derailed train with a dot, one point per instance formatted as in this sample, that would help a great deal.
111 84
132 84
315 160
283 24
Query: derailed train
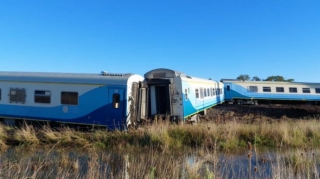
116 101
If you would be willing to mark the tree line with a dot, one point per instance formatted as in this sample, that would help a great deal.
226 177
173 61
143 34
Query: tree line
245 77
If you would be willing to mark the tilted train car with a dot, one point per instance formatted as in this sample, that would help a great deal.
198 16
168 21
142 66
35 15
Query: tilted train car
169 92
114 101
251 92
94 99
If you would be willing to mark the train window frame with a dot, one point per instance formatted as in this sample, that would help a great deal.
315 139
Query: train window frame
42 96
280 89
306 90
253 89
197 93
213 91
293 90
69 98
116 100
266 89
201 93
204 92
17 95
317 90
208 92
186 94
221 89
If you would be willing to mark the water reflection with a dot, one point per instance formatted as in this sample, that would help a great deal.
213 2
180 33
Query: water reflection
18 163
276 164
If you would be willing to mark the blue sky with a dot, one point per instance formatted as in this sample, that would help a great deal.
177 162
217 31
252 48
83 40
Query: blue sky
208 39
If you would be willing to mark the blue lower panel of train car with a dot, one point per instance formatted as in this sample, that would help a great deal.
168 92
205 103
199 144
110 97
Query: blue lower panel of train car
94 108
190 109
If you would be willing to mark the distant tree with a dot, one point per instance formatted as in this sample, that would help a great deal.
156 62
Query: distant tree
274 78
255 78
290 80
278 78
243 77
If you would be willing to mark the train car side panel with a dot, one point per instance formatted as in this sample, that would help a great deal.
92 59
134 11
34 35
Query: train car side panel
280 91
89 99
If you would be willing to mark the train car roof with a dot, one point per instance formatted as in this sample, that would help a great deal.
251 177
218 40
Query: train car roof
75 78
268 82
161 73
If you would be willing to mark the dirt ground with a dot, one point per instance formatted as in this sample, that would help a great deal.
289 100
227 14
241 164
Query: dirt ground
267 111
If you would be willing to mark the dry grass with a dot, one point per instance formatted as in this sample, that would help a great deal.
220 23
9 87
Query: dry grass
26 135
225 136
3 138
166 150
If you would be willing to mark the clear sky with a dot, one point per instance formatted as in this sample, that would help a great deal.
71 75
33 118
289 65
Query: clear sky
208 39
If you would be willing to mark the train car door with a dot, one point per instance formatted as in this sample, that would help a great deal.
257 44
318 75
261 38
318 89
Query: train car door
227 91
159 99
116 108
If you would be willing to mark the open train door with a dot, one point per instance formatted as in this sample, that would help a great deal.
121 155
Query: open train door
160 95
153 98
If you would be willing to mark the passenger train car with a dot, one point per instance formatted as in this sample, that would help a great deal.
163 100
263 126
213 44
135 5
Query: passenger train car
114 101
93 99
173 93
251 92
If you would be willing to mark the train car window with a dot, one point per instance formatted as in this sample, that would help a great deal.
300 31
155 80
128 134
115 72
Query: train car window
221 91
293 90
69 98
317 90
266 89
197 93
116 100
280 89
41 96
205 92
228 87
213 91
201 93
208 92
186 94
253 89
17 95
305 90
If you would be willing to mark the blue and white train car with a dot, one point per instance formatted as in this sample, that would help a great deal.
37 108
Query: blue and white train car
90 99
250 92
174 93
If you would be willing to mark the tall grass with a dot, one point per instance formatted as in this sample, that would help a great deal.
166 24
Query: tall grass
3 138
227 136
